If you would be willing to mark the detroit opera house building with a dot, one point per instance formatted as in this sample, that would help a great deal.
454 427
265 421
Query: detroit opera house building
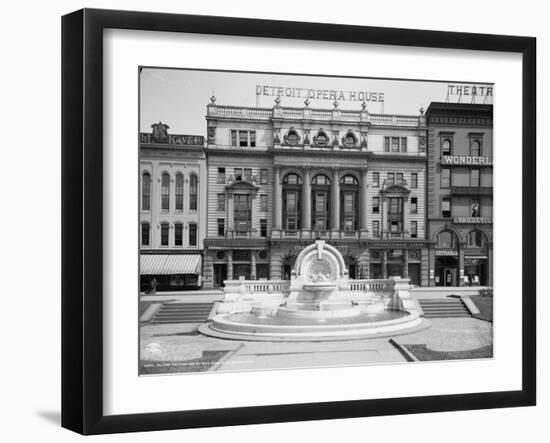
397 195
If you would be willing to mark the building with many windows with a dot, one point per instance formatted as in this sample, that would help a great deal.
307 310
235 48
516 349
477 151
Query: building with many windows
281 177
172 209
460 194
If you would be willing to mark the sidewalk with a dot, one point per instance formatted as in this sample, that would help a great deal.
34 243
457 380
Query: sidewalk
200 295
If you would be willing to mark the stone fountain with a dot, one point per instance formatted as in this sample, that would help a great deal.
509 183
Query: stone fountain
319 303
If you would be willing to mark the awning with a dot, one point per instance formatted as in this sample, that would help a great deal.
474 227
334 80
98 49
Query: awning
152 264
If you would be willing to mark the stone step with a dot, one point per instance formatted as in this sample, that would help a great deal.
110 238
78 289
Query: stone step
443 308
182 313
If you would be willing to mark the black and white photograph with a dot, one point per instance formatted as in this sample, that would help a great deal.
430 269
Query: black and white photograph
303 221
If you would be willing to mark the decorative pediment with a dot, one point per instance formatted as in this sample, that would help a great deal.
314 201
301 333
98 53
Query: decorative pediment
241 186
396 189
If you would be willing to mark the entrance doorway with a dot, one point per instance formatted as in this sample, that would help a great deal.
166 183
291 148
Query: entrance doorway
414 273
446 271
220 274
241 270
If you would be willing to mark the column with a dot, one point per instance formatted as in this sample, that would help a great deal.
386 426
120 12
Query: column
384 222
406 211
277 199
230 213
252 265
460 275
306 202
230 265
405 272
335 197
384 264
363 199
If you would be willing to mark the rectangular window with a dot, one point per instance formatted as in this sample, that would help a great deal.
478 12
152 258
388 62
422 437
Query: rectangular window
178 234
263 203
414 205
253 139
395 206
221 202
243 138
145 234
164 234
386 144
233 138
403 144
445 207
414 229
221 175
192 234
263 227
376 179
242 213
248 174
263 176
349 200
414 180
399 178
445 177
238 173
376 229
395 144
375 205
474 177
391 178
221 227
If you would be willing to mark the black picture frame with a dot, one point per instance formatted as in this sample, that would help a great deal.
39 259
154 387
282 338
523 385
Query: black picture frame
82 215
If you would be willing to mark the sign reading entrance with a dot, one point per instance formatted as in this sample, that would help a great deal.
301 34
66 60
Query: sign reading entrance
446 253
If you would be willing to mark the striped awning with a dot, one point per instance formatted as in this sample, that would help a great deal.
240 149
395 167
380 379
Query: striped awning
153 264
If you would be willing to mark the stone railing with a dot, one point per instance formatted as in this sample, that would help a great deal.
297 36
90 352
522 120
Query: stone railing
257 286
370 285
298 113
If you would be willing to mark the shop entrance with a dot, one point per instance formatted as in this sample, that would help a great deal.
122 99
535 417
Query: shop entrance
414 273
446 271
475 271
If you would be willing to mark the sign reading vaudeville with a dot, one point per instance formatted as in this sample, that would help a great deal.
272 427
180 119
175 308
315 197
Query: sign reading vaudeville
473 220
465 160
319 94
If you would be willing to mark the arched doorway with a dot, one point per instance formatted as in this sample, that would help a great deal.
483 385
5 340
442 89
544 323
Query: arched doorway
446 259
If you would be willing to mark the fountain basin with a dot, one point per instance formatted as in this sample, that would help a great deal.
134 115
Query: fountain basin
279 328
320 289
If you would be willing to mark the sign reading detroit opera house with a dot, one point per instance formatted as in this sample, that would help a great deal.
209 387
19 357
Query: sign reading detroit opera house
320 94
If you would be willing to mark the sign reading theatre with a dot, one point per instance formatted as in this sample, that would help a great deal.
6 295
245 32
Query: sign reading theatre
320 94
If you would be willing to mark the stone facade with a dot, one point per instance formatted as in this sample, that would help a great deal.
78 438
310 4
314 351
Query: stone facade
279 178
460 194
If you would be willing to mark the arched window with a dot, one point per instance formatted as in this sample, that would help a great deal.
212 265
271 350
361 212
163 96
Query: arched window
476 239
320 179
179 191
348 180
446 147
193 191
292 179
349 140
446 239
292 138
146 192
475 148
165 192
292 202
321 139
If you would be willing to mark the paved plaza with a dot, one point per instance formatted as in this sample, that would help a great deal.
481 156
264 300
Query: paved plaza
173 348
